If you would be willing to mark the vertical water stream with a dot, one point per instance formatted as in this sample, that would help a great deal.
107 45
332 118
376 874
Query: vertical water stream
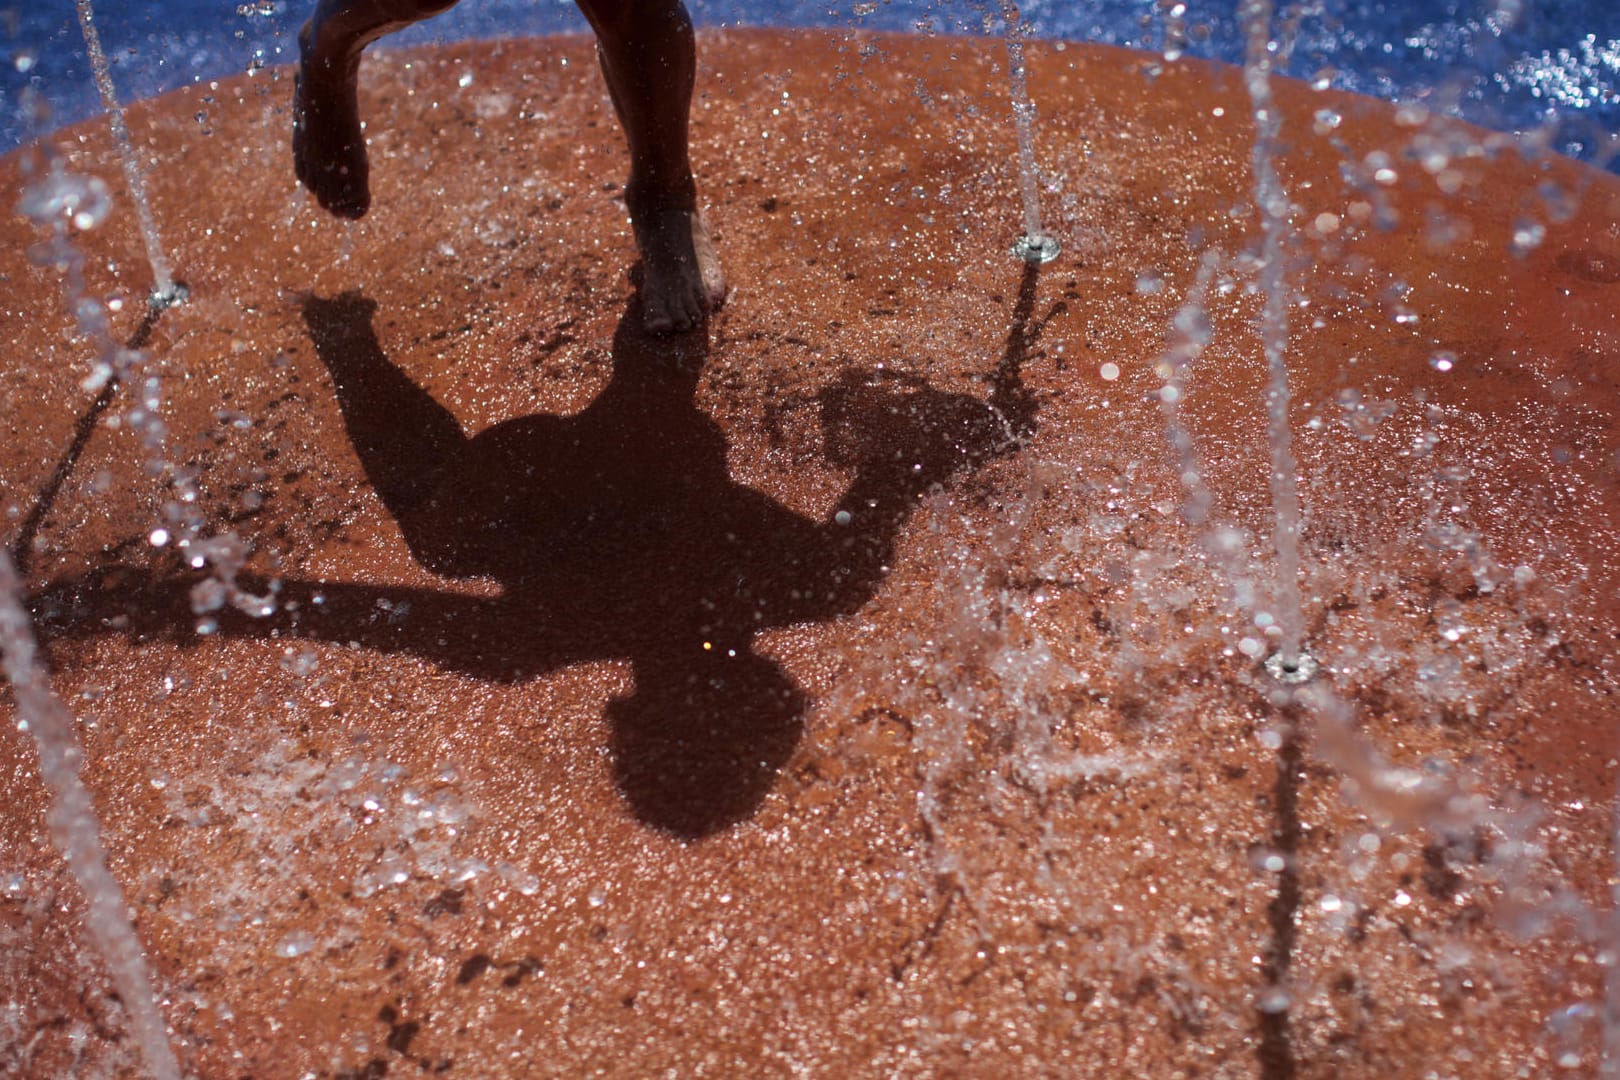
164 289
1271 201
1036 245
74 827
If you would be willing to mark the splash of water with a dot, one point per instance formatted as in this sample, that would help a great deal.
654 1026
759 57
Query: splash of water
74 828
60 201
1190 333
1272 202
165 291
1036 246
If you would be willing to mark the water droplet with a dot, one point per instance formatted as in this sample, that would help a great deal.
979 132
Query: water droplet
596 897
100 373
302 662
1327 120
1559 202
524 882
1109 371
448 809
1193 324
1270 862
1443 360
207 596
1273 1000
1441 668
256 607
83 201
1363 417
1527 236
297 943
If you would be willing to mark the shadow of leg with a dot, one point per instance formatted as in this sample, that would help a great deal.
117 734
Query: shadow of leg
403 437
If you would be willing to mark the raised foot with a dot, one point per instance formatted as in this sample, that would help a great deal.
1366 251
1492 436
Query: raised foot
329 149
682 280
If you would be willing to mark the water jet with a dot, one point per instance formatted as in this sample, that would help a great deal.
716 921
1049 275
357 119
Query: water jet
165 291
1035 245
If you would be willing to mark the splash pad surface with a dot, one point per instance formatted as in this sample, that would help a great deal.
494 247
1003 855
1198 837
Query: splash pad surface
842 692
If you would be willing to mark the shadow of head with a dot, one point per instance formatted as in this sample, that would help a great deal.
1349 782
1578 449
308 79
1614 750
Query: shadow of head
699 745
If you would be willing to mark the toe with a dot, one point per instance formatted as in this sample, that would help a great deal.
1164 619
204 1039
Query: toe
671 312
656 319
346 202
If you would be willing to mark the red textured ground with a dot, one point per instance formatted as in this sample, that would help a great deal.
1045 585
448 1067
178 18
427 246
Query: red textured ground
839 691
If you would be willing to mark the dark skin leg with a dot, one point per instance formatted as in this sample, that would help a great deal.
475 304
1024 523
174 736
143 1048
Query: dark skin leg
329 149
648 58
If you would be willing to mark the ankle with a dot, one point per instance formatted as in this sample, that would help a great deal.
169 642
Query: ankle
323 56
645 197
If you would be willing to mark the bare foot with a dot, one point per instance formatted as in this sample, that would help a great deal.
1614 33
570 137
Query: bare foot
682 279
329 149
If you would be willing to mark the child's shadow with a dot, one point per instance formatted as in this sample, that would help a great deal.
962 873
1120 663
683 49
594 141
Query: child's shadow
618 533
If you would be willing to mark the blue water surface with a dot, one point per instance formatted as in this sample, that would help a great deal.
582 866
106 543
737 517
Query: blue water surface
1515 65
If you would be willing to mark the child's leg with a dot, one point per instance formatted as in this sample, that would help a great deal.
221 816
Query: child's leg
329 149
649 58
